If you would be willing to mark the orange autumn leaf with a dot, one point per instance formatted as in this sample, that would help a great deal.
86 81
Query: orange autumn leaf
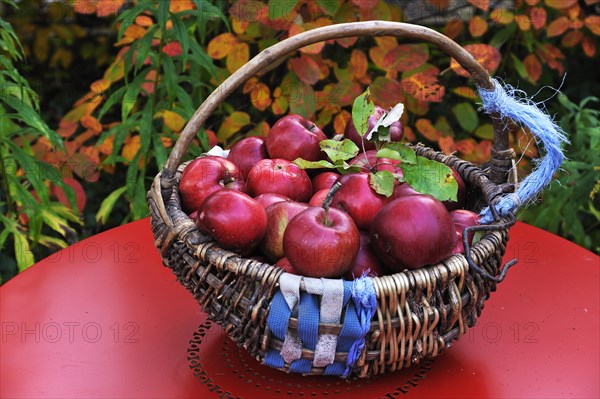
533 67
447 144
66 128
144 20
377 55
523 22
466 92
91 123
84 6
572 38
532 2
406 57
237 57
592 22
306 68
260 96
106 147
131 34
340 121
454 28
426 128
386 42
560 4
108 7
477 26
359 63
589 46
424 87
439 4
502 16
148 84
481 4
558 26
131 147
232 124
221 45
173 120
315 48
485 54
172 49
466 146
176 6
280 103
538 17
99 86
386 92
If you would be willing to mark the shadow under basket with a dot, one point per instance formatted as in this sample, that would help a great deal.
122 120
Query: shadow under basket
419 313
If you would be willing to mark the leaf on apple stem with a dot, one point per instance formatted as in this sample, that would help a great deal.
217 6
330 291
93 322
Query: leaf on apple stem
382 182
382 126
399 152
304 164
362 109
339 150
431 177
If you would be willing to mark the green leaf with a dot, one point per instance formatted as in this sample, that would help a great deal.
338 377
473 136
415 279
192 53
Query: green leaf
32 171
339 150
382 182
56 223
129 99
520 67
22 251
181 34
304 164
281 8
503 35
329 6
163 15
144 47
466 116
485 131
48 241
431 177
128 17
160 152
399 152
362 109
112 100
202 59
140 207
108 204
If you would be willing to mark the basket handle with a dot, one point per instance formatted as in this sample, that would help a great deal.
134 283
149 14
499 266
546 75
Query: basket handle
500 161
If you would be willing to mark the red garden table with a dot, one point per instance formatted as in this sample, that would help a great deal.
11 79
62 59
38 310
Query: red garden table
104 319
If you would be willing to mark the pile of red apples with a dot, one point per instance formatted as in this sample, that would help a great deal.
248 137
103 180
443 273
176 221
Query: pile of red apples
260 204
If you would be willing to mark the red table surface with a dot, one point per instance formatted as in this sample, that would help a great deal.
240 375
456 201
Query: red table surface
103 318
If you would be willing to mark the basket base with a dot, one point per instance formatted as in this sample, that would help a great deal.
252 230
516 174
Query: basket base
230 372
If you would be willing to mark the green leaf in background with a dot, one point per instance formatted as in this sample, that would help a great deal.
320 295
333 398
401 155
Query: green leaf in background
108 204
362 108
127 18
181 34
163 15
466 116
485 131
382 182
22 251
144 47
281 8
329 6
520 67
431 177
339 150
399 152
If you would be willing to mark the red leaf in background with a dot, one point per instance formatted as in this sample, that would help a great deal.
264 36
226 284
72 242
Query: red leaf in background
426 128
89 122
447 144
365 3
593 24
406 57
558 26
148 85
486 55
108 7
80 197
532 2
552 56
359 63
454 28
481 4
439 4
466 146
306 69
560 4
386 92
533 66
424 87
172 49
589 46
572 38
538 17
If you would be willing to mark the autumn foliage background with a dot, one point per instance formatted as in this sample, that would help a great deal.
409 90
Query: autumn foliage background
118 79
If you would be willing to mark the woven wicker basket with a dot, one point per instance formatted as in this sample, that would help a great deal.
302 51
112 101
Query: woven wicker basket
419 313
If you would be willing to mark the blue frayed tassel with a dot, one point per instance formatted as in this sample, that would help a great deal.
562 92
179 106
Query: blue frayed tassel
513 104
365 302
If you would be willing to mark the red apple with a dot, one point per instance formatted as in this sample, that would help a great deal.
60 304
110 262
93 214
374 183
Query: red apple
396 130
358 199
204 176
459 248
319 197
285 264
294 136
233 219
365 261
403 189
461 195
324 180
281 177
267 199
368 162
247 152
321 243
463 219
279 215
80 197
412 231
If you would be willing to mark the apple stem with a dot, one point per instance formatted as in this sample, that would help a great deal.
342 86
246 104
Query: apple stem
327 201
